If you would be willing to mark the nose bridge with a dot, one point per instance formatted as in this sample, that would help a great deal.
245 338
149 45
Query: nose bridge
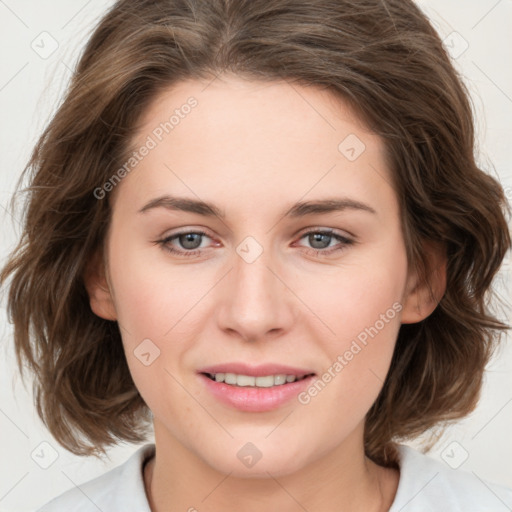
253 281
256 301
252 270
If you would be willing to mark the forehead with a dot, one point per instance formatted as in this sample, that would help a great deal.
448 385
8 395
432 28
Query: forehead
243 140
261 109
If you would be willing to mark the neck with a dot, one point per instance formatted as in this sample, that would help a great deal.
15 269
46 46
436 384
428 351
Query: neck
344 479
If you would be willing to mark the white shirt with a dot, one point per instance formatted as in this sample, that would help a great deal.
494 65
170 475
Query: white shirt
425 485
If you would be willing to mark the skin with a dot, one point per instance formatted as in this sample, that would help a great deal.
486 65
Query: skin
254 149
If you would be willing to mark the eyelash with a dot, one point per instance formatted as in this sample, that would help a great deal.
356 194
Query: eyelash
164 243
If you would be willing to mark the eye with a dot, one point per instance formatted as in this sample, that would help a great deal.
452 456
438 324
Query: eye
190 241
321 239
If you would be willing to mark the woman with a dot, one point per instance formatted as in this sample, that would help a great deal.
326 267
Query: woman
259 226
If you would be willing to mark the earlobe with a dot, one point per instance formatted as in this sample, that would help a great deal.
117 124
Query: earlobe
421 299
96 284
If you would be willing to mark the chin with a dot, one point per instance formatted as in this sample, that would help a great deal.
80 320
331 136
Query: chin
244 459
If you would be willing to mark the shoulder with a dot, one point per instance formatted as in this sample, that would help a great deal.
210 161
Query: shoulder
427 484
121 488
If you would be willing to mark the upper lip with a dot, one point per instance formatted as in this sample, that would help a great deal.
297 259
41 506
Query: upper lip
255 371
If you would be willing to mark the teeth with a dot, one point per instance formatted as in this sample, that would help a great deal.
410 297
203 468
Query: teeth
266 381
243 380
281 379
230 378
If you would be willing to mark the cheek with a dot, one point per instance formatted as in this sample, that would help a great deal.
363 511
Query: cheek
150 296
362 309
156 305
356 298
359 355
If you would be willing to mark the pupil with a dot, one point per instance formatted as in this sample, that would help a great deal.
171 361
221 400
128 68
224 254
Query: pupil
189 239
316 237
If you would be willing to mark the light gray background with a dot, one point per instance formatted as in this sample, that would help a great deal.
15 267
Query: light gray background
31 83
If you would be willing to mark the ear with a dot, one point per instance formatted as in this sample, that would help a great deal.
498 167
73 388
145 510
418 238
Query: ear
421 299
98 289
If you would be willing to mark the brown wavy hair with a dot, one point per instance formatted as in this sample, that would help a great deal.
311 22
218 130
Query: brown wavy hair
382 57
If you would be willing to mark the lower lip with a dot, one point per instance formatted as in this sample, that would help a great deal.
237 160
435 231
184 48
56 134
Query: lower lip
252 399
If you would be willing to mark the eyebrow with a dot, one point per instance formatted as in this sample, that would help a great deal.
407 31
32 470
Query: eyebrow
300 209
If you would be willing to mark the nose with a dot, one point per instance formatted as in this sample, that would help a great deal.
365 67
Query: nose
257 300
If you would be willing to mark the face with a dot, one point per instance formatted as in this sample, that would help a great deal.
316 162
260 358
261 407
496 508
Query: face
258 288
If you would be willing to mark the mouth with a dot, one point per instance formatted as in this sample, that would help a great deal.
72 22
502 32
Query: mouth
255 389
262 381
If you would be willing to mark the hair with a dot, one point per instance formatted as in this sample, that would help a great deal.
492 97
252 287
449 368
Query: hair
385 60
